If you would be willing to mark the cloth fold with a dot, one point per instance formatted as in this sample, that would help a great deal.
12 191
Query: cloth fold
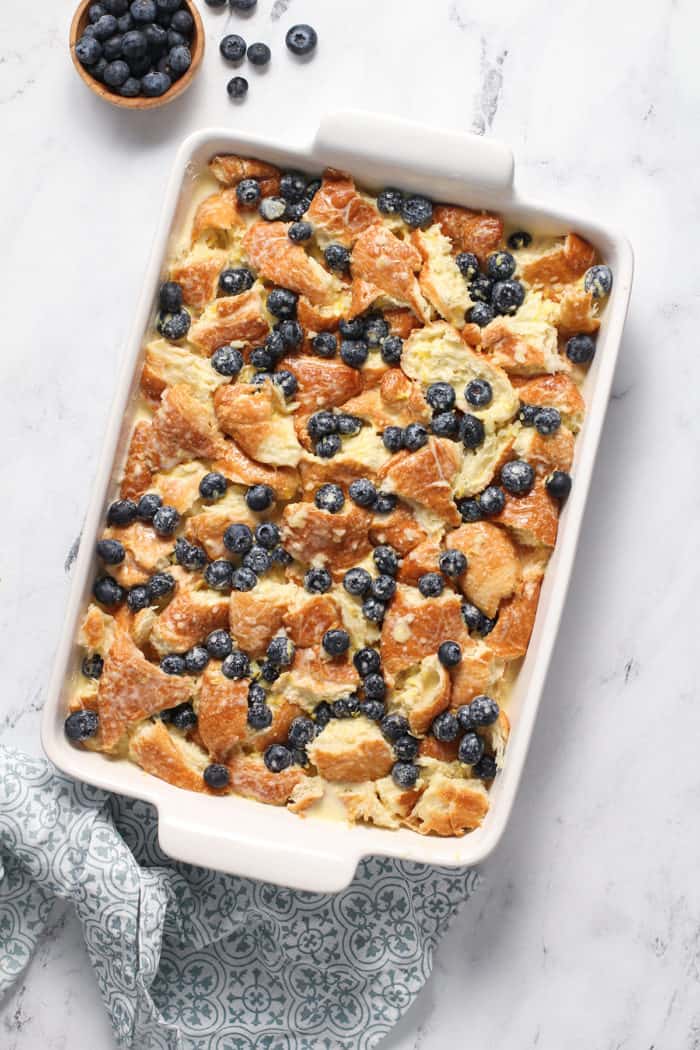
189 959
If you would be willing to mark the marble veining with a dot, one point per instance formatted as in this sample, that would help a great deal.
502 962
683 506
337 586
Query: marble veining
587 931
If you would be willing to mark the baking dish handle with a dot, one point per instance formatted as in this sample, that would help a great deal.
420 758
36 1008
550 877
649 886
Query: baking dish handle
398 146
184 837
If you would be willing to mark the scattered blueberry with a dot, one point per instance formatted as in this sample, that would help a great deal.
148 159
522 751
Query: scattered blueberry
323 714
107 591
217 776
500 266
392 349
486 768
558 484
373 610
325 344
237 88
362 492
282 303
242 5
257 559
480 289
404 774
317 580
301 731
137 598
415 436
393 438
357 581
281 651
547 420
330 498
328 446
301 39
580 349
440 397
183 716
469 509
406 747
291 334
384 588
367 661
445 425
519 239
598 280
491 501
174 326
507 297
165 520
473 617
259 715
277 757
111 552
159 585
471 748
389 201
236 665
280 556
213 486
219 644
260 497
346 706
189 555
478 393
386 502
286 381
480 314
336 641
248 194
81 725
376 330
293 185
321 424
299 232
472 430
259 55
386 559
394 726
416 211
88 51
92 666
483 711
354 329
527 413
449 654
517 477
243 579
237 280
114 75
452 562
217 574
431 584
372 709
337 257
445 727
348 425
173 663
468 265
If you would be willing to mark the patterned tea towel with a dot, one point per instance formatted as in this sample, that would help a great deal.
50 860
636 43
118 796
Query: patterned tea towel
188 959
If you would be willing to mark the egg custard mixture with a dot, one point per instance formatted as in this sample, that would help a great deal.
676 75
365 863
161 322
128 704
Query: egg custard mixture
357 424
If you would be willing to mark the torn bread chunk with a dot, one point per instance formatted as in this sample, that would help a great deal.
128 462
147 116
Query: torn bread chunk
351 750
440 280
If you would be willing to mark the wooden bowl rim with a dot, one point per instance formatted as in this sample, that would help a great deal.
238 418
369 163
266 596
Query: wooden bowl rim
102 91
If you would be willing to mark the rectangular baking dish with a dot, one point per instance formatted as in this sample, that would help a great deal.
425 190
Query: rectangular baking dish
244 837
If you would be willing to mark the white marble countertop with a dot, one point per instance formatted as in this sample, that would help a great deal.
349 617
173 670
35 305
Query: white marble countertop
587 933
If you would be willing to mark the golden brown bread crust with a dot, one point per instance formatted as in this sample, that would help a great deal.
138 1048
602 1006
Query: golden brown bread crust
222 712
252 779
256 616
314 535
426 477
533 519
279 260
399 529
230 319
469 231
493 568
351 751
255 417
230 169
395 402
309 619
216 214
145 552
322 383
562 264
423 558
510 637
449 806
379 258
338 210
199 278
555 391
187 619
577 312
156 751
414 627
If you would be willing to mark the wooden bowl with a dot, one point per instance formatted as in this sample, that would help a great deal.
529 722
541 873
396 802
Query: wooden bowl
80 20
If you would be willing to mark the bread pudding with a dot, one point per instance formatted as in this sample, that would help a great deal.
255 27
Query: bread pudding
353 439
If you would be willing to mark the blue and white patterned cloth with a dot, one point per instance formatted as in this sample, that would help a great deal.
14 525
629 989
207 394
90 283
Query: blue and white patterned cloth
188 959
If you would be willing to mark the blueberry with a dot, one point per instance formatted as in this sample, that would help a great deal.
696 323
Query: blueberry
362 492
473 617
389 201
174 326
301 39
237 88
328 446
336 641
384 588
354 329
88 50
286 381
115 74
301 731
373 610
258 560
468 265
173 39
189 555
519 239
527 413
357 581
110 551
558 484
478 392
323 713
293 185
259 55
138 68
281 651
196 659
547 420
446 425
131 88
153 85
367 661
348 425
277 757
263 358
416 211
580 349
491 501
183 716
215 3
107 591
440 397
406 747
500 266
598 280
386 559
464 718
392 349
346 706
81 725
481 314
472 431
218 574
386 503
291 334
372 709
489 624
165 520
517 477
219 644
312 189
415 436
160 584
394 726
256 694
376 330
173 663
469 509
95 12
269 672
236 665
169 6
393 438
299 232
259 716
248 195
337 257
105 27
182 21
404 774
295 210
480 289
445 727
431 584
97 71
452 562
238 538
486 768
242 5
273 208
111 49
217 776
125 23
281 557
449 654
330 498
260 497
325 344
321 424
318 581
243 579
137 598
156 39
92 666
471 748
282 303
483 711
507 297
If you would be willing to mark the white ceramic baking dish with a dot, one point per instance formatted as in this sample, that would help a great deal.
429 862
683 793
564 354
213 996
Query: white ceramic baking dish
244 837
